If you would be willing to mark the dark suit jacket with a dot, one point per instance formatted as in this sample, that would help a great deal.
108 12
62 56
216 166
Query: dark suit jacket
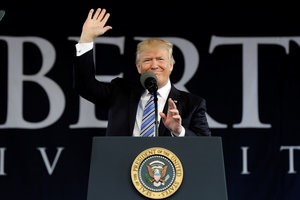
121 97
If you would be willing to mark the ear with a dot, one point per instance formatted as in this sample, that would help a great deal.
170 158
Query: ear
171 68
139 68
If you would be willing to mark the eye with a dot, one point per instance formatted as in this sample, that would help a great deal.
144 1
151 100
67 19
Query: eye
147 60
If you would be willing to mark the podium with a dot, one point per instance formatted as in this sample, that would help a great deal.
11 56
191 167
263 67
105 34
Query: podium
199 167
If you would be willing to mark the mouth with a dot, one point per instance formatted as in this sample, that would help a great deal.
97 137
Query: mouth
156 73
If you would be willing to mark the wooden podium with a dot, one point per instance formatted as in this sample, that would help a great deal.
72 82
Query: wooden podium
113 161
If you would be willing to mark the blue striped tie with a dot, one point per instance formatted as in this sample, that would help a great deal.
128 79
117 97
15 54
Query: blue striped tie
148 121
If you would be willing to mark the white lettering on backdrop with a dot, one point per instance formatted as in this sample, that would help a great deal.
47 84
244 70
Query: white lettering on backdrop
87 118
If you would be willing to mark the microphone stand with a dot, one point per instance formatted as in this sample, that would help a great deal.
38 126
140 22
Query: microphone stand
156 113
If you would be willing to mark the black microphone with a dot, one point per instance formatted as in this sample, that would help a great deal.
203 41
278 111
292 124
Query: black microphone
149 81
2 13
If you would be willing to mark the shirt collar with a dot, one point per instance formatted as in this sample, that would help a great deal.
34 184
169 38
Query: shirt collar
165 90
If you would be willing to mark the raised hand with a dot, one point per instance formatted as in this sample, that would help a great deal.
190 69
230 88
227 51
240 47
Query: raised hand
172 120
94 25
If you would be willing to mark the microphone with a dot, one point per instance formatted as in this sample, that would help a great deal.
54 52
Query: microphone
149 81
2 13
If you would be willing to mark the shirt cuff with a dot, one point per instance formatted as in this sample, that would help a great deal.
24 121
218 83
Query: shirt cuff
82 48
182 134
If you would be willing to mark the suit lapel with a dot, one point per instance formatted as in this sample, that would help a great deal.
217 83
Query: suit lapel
175 95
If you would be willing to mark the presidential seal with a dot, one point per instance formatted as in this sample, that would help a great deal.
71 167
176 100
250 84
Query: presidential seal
157 173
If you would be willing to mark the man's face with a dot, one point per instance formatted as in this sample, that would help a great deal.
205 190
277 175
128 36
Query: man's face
156 60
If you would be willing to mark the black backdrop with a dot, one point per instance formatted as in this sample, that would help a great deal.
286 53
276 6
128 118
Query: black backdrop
242 58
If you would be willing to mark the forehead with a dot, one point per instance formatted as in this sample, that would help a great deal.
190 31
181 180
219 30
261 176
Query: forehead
154 52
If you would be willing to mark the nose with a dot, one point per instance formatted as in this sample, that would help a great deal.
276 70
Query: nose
154 63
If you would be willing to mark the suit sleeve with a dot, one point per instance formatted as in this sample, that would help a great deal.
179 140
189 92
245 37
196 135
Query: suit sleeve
85 82
197 124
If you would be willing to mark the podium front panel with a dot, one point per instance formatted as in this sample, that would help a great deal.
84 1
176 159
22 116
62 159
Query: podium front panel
201 158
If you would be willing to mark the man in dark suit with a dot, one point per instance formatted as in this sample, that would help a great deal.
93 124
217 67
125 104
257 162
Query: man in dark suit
180 113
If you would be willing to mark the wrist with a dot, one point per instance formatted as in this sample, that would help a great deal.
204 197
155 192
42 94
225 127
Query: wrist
85 39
